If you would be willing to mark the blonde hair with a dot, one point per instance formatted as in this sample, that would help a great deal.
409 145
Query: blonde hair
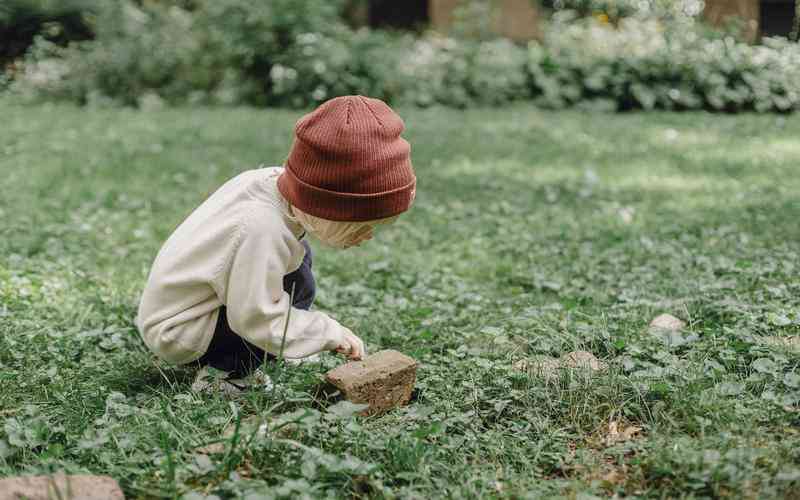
334 233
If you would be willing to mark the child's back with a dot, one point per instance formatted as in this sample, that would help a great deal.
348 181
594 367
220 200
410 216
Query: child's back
219 289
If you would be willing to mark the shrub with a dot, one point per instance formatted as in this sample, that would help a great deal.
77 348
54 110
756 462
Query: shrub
497 74
640 64
219 51
137 52
614 10
320 66
283 52
421 71
58 21
252 37
460 73
297 53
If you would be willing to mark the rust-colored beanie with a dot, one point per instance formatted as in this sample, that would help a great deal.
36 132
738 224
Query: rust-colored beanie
349 163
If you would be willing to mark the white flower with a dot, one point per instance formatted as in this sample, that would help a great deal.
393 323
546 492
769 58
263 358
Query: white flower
319 93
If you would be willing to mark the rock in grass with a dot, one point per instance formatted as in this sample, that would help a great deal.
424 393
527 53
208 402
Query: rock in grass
551 367
667 322
384 381
60 486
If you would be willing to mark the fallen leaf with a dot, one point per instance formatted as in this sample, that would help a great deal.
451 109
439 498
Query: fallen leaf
551 367
615 435
546 367
611 476
582 359
211 449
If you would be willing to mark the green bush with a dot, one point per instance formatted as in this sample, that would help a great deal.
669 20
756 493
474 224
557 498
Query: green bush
298 53
641 64
58 21
615 10
461 73
280 53
217 51
253 37
319 66
497 74
136 53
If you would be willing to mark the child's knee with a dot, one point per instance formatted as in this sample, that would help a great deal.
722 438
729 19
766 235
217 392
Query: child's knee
179 343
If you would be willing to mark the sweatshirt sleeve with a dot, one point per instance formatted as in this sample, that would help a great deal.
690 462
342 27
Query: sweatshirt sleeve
252 290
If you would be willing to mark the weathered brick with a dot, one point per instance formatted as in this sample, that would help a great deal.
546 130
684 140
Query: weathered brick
80 487
384 380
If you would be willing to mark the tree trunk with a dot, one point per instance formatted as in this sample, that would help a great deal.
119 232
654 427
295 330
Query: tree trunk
796 24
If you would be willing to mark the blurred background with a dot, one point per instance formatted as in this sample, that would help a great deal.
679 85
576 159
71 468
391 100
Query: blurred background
725 55
584 166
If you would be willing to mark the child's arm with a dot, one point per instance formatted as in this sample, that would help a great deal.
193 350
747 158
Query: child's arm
252 289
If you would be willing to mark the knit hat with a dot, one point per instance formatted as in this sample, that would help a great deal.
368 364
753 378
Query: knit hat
349 163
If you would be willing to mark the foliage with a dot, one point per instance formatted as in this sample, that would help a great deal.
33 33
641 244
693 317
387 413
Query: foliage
217 51
461 73
614 10
237 51
321 66
252 37
59 21
528 237
643 64
298 53
474 19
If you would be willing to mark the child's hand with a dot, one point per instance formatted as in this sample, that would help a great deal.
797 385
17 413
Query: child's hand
353 346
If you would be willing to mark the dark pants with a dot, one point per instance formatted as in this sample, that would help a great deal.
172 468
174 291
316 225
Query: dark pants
230 352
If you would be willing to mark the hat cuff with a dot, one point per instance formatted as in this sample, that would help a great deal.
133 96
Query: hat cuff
344 207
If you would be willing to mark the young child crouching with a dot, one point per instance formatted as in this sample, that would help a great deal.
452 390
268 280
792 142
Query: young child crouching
219 290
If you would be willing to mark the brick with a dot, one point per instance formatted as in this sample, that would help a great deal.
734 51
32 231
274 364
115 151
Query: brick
384 380
80 487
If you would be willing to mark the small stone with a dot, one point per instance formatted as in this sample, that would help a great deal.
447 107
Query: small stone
79 487
667 322
384 381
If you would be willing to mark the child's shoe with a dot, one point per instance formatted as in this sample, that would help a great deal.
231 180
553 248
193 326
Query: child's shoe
216 381
314 358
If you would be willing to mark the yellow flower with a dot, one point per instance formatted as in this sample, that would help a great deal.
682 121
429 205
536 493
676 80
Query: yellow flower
602 18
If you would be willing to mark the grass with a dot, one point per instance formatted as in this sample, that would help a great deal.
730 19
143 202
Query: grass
534 233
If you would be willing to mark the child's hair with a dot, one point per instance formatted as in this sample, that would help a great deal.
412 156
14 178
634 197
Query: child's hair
335 233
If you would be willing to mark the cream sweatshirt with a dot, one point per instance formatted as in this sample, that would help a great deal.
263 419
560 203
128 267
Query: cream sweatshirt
233 250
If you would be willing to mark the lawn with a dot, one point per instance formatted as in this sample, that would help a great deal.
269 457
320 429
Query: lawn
534 234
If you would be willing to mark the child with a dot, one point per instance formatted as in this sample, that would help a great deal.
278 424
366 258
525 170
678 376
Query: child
218 292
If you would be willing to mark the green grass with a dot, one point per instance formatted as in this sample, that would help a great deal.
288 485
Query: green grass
534 233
